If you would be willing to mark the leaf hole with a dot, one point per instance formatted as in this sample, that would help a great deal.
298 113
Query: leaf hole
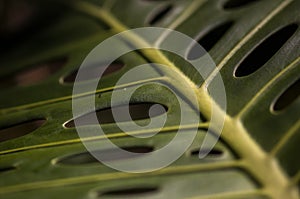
93 72
265 51
34 74
208 41
20 130
130 191
160 14
106 155
138 111
8 168
214 153
287 97
232 4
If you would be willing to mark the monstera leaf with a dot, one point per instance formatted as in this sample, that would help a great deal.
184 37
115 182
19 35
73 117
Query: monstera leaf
255 45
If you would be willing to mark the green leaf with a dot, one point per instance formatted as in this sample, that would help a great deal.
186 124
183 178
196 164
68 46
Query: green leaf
255 45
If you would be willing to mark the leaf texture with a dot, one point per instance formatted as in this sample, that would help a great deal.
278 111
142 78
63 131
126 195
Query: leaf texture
256 156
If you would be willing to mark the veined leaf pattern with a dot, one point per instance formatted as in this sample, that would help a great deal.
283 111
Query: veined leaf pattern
256 156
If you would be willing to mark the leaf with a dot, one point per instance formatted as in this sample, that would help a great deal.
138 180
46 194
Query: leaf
256 156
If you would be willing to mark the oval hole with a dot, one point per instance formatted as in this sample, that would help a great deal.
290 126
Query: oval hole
19 130
105 116
8 168
213 153
232 4
130 191
160 14
106 154
288 97
93 72
34 74
265 51
208 41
